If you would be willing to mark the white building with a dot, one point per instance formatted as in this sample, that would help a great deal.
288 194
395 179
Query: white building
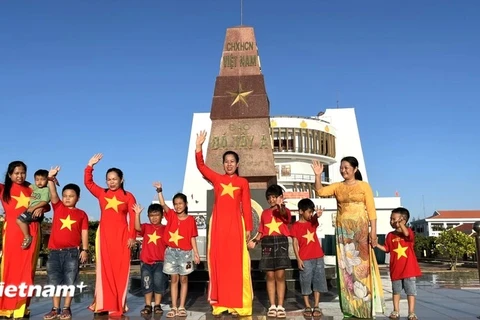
446 219
297 141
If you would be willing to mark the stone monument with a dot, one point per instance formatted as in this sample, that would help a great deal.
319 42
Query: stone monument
240 116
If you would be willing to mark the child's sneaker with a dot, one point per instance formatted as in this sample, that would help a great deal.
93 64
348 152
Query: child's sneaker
53 314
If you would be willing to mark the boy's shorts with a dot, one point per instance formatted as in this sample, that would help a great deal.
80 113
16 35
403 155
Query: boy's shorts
407 284
62 266
178 261
153 278
274 253
27 217
313 275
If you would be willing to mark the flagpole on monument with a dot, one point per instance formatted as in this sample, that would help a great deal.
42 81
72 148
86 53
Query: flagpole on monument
241 12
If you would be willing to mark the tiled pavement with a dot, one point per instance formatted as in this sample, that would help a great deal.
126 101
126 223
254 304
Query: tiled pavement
440 296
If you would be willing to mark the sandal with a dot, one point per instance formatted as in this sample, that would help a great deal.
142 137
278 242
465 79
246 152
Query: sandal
281 312
182 312
394 315
66 313
412 316
147 310
308 312
53 314
317 312
272 312
172 313
157 309
27 241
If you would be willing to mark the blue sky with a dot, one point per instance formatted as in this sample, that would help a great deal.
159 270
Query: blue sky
124 77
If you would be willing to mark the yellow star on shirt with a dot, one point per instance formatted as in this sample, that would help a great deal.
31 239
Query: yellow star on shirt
309 236
174 237
401 251
273 226
67 223
113 203
240 95
228 189
22 201
153 237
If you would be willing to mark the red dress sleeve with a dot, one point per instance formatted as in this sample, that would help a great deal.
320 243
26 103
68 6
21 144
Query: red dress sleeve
208 173
88 180
131 216
247 206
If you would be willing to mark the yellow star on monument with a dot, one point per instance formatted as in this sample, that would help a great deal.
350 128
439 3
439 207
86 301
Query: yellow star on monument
274 226
113 203
174 237
67 223
228 189
309 236
240 95
401 251
22 201
153 237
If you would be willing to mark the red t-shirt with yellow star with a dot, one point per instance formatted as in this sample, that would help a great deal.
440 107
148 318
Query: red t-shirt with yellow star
67 226
306 234
153 246
403 262
274 224
179 233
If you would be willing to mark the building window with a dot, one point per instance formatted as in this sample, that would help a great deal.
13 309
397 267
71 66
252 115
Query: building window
437 227
286 170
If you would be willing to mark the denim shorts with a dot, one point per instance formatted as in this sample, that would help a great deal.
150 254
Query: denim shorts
27 217
274 253
407 284
62 266
178 261
313 275
153 278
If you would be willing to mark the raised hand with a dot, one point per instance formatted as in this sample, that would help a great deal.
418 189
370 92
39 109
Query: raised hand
53 171
157 185
95 159
317 167
279 201
318 211
137 208
201 137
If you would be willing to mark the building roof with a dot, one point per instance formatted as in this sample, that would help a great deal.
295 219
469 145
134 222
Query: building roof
465 228
455 214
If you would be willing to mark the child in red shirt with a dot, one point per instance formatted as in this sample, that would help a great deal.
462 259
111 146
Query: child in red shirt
69 232
404 268
181 239
309 255
154 281
273 232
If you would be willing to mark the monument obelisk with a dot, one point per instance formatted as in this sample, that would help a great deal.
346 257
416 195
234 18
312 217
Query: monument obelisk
241 111
240 114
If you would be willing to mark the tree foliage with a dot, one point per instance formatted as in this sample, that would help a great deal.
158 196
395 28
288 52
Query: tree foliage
425 246
453 244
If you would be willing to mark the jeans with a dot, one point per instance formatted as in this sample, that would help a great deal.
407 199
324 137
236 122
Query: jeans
407 284
313 275
153 278
62 266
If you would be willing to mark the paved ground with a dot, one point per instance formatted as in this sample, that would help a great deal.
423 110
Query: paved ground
442 294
